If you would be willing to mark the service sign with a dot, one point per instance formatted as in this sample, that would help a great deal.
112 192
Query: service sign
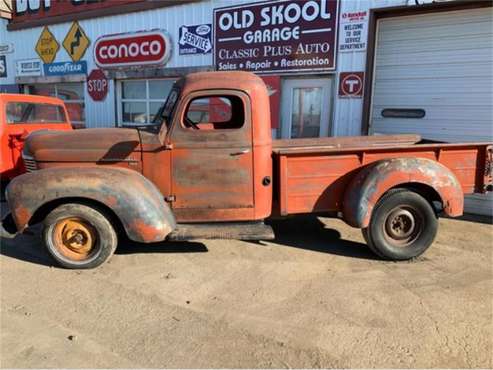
353 31
195 39
3 66
28 67
276 36
132 49
65 68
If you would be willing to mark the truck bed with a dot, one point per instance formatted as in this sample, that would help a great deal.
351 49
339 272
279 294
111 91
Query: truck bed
312 174
328 143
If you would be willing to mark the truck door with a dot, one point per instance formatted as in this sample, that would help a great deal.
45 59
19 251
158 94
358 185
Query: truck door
212 160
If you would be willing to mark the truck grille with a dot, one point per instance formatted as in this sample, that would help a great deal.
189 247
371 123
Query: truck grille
29 163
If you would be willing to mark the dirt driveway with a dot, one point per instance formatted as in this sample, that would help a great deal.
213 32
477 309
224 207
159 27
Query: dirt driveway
314 298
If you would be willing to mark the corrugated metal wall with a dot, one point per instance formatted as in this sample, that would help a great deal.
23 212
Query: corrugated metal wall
347 113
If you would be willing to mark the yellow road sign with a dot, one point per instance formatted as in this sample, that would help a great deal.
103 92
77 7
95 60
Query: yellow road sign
47 46
76 42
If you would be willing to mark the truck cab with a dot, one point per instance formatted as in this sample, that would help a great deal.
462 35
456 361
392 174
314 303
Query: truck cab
220 165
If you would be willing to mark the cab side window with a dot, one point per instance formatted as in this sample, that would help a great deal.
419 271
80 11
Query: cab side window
21 112
214 113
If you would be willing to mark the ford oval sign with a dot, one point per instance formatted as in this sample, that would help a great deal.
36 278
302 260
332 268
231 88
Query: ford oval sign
130 49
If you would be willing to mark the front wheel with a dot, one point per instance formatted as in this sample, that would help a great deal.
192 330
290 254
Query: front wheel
402 226
79 236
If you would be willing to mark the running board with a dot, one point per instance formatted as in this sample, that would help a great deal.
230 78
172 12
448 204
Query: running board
237 230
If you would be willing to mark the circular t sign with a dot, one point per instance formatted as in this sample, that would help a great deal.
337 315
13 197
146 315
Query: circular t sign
351 84
97 85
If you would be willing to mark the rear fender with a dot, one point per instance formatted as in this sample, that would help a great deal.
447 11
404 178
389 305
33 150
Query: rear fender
368 186
134 199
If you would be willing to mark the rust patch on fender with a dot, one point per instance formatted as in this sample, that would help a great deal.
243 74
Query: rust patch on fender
22 217
148 232
373 181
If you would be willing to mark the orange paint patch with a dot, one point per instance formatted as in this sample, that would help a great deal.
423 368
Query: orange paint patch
148 233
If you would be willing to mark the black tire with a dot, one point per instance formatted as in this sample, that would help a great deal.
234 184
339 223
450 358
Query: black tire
79 236
402 226
369 242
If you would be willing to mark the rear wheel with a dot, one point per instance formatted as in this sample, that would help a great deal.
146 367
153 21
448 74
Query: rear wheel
79 236
403 225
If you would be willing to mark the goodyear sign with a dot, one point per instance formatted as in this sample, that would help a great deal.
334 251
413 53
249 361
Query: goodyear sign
47 46
65 68
76 42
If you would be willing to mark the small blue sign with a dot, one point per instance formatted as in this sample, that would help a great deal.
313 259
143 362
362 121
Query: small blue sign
195 39
65 68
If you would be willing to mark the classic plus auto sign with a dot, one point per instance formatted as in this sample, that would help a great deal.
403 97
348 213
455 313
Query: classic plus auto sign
301 32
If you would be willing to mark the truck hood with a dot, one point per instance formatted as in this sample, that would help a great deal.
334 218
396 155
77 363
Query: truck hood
88 145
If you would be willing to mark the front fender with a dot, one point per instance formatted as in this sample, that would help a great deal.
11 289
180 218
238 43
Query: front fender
134 199
367 187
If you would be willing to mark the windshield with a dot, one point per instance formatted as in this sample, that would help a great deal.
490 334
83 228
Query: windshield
165 112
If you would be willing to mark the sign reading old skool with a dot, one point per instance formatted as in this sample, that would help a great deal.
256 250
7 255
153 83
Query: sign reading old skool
47 46
28 67
132 49
195 39
276 36
76 42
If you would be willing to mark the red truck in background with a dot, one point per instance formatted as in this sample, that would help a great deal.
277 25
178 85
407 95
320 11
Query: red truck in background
194 176
19 116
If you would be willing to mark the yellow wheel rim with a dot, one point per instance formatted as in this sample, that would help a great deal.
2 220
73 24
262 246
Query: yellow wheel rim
74 238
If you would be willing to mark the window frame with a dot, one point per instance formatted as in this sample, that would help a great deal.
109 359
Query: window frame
69 101
120 100
182 137
60 109
230 97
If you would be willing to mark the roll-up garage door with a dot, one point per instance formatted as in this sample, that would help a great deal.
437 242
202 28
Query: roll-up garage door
434 76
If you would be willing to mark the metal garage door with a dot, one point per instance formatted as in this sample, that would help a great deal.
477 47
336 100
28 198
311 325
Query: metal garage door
439 65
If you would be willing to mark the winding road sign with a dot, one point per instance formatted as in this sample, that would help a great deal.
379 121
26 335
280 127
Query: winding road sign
76 42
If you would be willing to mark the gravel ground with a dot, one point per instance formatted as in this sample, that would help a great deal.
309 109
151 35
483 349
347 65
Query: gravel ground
316 297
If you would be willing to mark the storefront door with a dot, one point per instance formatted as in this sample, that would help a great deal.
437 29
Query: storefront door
306 106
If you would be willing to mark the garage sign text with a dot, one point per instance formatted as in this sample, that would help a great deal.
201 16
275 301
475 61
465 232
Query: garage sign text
276 36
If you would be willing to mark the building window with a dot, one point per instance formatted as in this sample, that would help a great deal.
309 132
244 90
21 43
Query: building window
139 100
72 94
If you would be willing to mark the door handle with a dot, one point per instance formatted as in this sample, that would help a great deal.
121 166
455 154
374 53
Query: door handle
244 151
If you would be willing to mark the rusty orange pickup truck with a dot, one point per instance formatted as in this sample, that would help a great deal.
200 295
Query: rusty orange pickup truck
19 116
203 173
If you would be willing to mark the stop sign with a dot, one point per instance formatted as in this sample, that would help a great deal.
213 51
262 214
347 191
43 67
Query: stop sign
97 85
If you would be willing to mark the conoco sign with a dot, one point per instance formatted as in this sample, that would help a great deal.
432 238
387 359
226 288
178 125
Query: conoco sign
132 49
276 36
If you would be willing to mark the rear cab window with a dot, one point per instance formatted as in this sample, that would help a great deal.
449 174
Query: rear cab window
30 113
